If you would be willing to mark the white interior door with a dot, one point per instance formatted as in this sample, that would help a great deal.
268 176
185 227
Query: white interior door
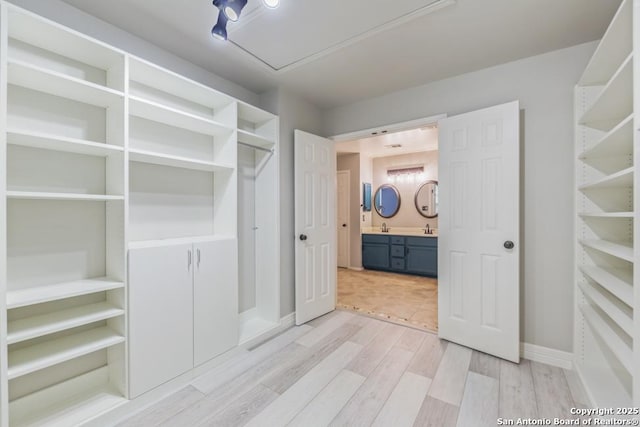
478 262
315 226
343 218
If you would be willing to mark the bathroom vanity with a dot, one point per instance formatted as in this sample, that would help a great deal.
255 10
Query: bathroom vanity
409 253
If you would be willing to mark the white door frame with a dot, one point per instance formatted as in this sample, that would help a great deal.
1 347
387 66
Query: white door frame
348 202
390 128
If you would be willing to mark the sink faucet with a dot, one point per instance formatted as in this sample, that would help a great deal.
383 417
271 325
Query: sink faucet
383 228
428 230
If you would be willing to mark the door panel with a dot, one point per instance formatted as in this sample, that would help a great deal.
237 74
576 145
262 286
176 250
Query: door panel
315 225
160 315
215 301
478 298
375 256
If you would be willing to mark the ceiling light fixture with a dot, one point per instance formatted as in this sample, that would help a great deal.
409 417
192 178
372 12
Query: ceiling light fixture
219 31
271 4
233 8
230 10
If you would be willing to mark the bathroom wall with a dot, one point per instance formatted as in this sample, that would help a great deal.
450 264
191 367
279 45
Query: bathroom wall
351 162
366 175
408 215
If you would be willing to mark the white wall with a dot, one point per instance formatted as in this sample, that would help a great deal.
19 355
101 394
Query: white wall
295 113
408 215
78 20
544 85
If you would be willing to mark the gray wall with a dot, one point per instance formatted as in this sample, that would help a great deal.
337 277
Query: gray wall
78 20
295 113
544 85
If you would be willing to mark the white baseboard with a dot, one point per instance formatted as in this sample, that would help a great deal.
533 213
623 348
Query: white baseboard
536 353
356 268
288 321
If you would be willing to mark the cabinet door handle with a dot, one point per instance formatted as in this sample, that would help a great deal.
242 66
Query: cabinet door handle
189 260
198 259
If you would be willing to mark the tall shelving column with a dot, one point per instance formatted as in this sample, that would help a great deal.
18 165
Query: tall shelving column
63 288
606 345
258 222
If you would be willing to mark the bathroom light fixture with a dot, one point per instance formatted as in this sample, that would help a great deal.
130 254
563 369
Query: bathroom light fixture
413 170
230 10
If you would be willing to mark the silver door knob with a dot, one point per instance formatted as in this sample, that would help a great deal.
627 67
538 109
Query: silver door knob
509 244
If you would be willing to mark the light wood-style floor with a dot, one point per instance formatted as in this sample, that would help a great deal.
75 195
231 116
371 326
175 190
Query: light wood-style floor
345 369
399 298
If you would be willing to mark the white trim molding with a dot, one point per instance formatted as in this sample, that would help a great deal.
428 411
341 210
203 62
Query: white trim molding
550 356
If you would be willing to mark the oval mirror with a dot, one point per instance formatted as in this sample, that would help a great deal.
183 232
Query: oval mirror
387 200
427 199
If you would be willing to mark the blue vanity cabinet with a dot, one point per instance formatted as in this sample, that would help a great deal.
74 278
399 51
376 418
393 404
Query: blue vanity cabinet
400 254
422 256
375 252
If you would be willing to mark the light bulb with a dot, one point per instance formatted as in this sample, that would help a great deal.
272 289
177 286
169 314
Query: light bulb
271 4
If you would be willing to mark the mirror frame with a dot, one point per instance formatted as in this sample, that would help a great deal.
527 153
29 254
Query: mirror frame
395 190
415 199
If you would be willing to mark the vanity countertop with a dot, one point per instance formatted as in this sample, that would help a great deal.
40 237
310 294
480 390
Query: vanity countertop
399 231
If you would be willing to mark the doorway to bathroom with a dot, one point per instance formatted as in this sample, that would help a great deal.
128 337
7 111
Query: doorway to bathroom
387 224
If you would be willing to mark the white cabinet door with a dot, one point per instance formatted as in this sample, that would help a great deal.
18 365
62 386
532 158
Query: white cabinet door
215 299
160 315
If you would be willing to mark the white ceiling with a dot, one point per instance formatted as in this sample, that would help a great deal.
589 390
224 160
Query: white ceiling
410 141
342 57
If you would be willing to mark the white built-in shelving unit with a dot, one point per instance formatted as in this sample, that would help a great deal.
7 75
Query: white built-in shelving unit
105 154
607 293
258 222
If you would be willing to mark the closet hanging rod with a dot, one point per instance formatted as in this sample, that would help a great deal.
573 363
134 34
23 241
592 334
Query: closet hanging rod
268 150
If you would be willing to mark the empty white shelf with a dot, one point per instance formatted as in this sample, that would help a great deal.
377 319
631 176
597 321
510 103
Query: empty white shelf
35 195
174 84
615 102
33 29
157 112
37 326
620 250
620 313
255 139
615 45
602 329
58 84
140 244
607 214
54 292
623 178
616 280
72 402
618 141
175 161
44 141
50 353
254 327
253 114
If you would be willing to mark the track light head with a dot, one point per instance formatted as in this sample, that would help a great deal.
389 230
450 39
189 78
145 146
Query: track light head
271 4
219 31
233 8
